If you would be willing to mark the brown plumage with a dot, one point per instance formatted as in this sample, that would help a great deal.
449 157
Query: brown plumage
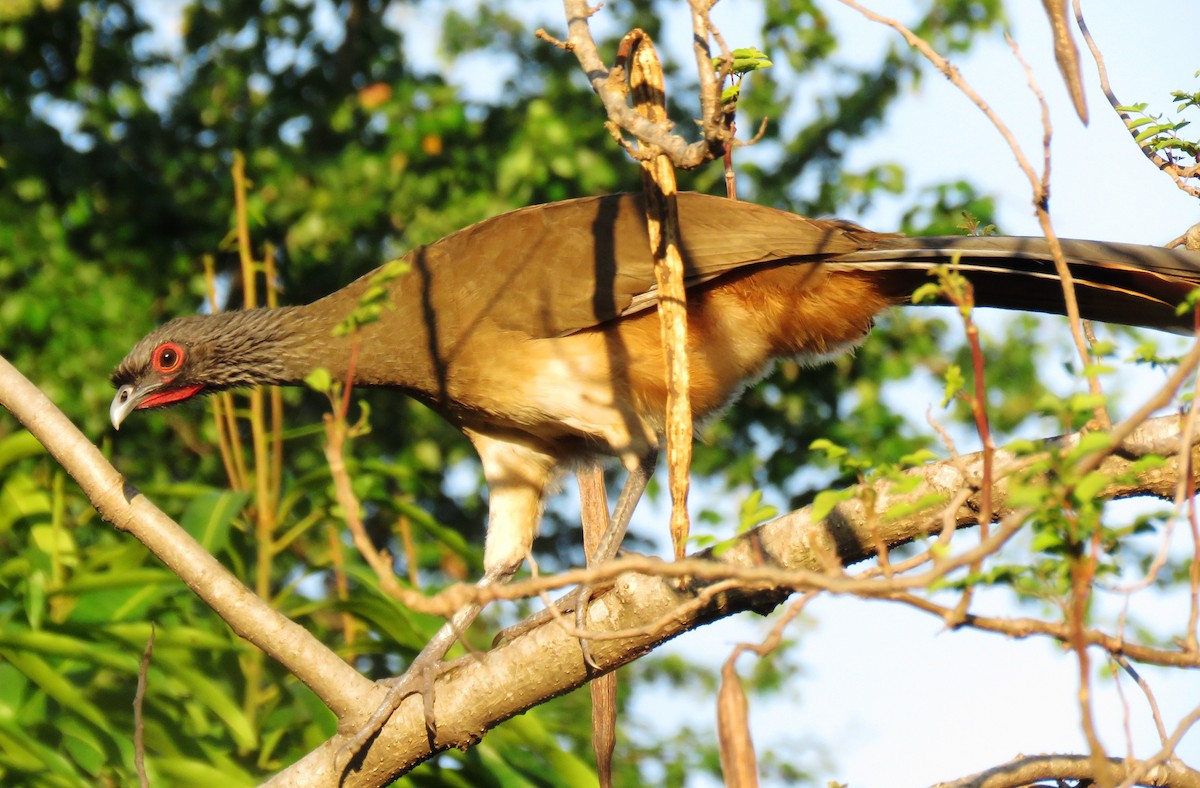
535 332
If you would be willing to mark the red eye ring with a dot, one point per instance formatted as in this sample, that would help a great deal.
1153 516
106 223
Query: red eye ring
167 358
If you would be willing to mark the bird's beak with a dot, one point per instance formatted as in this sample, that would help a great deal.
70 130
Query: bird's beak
154 394
123 403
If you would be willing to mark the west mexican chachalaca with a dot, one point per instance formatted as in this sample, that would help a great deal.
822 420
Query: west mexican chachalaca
535 332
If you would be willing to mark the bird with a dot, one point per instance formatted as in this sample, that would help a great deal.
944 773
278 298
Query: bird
536 332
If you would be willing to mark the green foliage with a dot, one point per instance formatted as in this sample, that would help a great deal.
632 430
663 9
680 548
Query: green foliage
374 300
754 512
1161 136
744 61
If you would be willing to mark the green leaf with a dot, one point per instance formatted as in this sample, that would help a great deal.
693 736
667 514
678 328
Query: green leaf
1082 403
904 484
208 518
319 380
220 699
1149 462
826 500
1095 370
83 745
190 771
23 751
55 541
127 602
21 497
924 503
126 578
55 684
918 457
1090 442
745 60
830 449
930 291
18 446
955 382
1090 487
35 599
1047 540
753 511
1023 447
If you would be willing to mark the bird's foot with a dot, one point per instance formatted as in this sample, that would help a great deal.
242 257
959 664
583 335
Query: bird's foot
559 608
575 602
421 674
417 680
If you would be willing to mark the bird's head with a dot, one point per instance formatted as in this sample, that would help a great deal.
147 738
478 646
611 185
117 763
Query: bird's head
164 368
197 354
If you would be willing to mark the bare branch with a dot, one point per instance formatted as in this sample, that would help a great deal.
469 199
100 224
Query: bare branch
1034 768
139 726
648 604
612 88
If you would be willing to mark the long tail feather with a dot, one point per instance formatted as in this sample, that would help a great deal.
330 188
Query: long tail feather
1117 283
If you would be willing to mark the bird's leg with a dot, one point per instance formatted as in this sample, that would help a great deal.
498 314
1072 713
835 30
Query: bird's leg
631 493
517 475
610 543
421 674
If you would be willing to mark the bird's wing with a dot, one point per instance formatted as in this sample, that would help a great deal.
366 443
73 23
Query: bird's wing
551 270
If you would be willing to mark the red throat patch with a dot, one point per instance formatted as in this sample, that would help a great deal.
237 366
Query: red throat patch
168 396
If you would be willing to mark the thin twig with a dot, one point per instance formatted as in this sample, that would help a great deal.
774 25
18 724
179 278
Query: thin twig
1173 171
139 724
611 87
1166 757
1141 682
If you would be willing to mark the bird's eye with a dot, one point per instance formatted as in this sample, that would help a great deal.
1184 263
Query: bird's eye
167 358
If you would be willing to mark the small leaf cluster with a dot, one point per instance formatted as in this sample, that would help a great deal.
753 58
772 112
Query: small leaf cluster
1067 502
870 472
1155 134
745 60
375 299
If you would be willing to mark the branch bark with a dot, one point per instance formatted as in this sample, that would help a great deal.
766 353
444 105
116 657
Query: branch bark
1034 768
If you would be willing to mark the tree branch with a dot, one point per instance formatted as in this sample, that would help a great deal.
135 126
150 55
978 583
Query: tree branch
341 687
1033 768
612 88
756 571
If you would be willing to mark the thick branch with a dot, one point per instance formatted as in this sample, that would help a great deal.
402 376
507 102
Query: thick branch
765 565
341 687
1034 768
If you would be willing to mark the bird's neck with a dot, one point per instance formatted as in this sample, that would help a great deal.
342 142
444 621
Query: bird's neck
282 346
279 346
